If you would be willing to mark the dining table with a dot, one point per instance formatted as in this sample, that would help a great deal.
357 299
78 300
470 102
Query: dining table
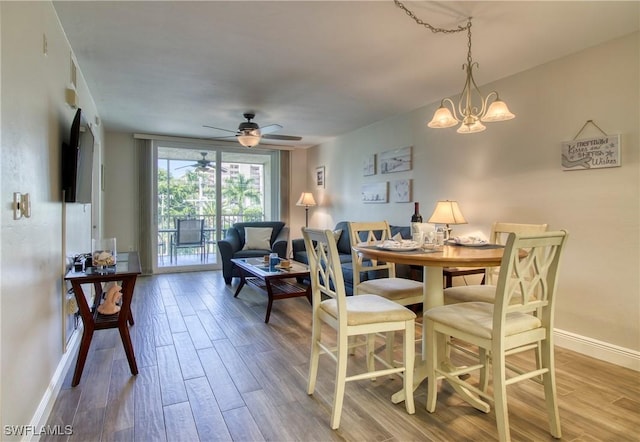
433 260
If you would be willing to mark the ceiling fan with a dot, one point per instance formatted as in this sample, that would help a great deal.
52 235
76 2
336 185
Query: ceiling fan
202 165
249 133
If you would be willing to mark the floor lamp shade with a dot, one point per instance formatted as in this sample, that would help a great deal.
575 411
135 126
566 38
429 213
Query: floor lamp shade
306 200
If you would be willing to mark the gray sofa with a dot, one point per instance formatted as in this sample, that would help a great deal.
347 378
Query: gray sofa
344 249
232 245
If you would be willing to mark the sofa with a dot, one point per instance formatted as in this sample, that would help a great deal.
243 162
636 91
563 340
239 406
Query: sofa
251 240
341 231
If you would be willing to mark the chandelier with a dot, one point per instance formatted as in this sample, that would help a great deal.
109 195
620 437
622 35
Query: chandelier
470 116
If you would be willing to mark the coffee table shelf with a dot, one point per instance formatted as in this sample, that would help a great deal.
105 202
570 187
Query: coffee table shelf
278 284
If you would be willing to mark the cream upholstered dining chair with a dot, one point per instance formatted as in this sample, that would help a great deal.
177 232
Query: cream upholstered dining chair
401 290
351 316
486 291
520 319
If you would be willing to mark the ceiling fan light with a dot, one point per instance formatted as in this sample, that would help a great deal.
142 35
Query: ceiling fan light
442 118
498 111
249 138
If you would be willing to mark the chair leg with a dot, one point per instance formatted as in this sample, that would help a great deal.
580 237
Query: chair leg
484 371
432 362
500 394
314 357
550 393
409 361
390 340
370 350
341 379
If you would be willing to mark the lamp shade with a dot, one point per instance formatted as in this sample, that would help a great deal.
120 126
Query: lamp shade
442 118
306 199
498 111
447 212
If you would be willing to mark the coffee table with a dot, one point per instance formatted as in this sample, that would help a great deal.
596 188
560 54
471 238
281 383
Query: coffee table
278 283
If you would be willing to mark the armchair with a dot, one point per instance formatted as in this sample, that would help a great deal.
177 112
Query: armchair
237 245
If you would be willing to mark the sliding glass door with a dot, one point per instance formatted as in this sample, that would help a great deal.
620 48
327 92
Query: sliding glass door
200 191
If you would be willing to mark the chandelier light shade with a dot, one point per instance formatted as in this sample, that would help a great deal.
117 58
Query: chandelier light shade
306 200
472 109
447 212
249 138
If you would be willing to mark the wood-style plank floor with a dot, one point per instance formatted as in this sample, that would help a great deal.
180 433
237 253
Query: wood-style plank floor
211 369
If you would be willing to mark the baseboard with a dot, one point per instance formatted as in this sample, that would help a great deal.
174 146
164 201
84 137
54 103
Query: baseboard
41 416
604 351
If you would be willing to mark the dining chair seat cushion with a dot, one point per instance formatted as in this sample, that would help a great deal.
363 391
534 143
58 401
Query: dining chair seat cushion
392 288
257 238
470 293
477 318
369 309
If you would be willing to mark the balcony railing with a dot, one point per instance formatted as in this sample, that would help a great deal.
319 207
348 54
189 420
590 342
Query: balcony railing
167 229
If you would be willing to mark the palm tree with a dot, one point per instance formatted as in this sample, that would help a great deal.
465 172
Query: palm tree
239 190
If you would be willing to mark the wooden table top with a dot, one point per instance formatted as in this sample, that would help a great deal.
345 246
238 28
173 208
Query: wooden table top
447 256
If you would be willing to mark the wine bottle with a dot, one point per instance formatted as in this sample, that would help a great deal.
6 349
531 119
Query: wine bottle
416 217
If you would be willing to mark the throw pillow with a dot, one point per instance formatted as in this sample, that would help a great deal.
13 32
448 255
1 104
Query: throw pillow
257 238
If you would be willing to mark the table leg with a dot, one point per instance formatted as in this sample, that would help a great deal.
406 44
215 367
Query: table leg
270 302
87 334
243 281
432 296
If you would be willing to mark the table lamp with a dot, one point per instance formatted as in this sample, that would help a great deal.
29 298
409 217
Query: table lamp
447 212
306 200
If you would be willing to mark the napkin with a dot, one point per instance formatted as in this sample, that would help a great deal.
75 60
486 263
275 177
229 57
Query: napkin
397 237
467 240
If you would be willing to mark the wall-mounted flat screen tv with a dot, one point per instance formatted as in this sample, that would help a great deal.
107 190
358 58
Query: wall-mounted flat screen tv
77 162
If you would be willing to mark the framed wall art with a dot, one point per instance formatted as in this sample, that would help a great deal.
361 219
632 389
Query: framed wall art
398 160
375 192
401 191
320 178
369 165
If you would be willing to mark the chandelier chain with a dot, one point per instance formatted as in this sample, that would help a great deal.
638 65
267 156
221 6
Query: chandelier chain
432 28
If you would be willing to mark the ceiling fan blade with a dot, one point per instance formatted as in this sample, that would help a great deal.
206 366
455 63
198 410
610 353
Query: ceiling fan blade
270 128
219 128
281 137
188 165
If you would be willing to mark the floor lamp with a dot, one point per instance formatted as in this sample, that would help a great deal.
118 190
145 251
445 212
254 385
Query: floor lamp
306 200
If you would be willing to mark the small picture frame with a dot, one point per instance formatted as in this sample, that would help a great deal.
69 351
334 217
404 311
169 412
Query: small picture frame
401 191
374 193
369 165
320 178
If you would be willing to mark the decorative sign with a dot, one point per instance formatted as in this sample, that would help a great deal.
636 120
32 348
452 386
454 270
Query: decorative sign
591 153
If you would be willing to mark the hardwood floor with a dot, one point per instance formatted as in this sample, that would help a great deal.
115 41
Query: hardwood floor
211 369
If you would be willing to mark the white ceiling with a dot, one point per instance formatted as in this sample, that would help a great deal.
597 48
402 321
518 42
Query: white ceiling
318 68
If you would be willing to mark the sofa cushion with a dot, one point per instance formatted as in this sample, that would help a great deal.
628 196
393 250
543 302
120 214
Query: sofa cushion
257 238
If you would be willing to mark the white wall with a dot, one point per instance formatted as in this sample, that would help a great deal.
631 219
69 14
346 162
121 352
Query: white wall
35 121
512 172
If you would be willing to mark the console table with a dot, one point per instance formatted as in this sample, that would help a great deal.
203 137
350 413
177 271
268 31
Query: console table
126 272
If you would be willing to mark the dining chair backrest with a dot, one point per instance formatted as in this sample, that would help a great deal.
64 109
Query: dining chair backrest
528 276
325 270
499 234
369 233
189 232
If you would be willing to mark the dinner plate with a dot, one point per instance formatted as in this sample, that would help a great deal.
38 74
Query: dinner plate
469 244
399 249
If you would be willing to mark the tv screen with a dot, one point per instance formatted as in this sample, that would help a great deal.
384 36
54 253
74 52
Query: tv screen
77 162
